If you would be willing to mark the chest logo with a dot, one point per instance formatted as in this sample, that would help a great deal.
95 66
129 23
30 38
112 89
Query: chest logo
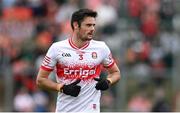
94 55
66 54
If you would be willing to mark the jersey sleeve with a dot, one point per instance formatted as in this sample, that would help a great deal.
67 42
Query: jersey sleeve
49 60
108 60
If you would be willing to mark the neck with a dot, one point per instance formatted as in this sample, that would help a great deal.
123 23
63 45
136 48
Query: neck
78 42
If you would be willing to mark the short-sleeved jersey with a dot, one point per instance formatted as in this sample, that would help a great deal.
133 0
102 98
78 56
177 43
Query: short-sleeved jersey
71 63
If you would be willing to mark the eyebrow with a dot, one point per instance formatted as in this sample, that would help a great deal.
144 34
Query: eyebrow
91 24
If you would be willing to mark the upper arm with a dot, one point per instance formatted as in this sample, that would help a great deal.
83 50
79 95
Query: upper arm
113 69
47 65
108 60
50 59
43 73
109 63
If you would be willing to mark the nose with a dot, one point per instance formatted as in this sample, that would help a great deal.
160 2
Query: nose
92 28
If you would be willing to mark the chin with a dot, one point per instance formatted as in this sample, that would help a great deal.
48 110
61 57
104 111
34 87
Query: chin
88 39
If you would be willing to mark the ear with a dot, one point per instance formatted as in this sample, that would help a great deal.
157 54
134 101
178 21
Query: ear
75 24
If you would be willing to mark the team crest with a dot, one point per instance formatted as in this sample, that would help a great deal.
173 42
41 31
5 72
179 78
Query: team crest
94 55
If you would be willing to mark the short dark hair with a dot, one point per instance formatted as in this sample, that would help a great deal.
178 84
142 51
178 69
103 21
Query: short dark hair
78 16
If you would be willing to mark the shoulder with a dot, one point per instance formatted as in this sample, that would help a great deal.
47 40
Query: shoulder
98 43
60 43
101 45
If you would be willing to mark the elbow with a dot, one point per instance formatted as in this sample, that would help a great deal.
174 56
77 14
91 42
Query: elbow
119 76
38 81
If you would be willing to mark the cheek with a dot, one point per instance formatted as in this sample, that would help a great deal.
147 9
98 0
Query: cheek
83 32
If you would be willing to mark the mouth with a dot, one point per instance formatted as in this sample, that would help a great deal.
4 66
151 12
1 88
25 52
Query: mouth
90 34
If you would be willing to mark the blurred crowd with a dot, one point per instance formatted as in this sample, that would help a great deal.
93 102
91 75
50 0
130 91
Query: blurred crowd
143 36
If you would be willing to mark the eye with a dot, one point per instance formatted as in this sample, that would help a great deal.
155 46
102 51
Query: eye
89 25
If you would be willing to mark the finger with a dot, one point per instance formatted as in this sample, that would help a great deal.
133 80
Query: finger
79 87
97 79
76 82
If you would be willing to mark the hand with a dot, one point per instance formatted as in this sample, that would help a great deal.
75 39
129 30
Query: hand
102 84
72 89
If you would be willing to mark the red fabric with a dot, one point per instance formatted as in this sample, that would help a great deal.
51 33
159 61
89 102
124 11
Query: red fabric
150 24
46 69
145 51
134 7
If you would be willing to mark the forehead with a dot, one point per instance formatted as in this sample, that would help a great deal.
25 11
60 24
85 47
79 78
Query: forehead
90 20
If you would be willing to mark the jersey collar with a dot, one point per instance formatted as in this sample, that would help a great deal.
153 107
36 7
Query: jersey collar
75 47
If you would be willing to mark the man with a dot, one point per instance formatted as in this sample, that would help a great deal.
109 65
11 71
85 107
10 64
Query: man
78 61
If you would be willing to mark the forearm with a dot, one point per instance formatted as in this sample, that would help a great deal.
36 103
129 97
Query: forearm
48 84
114 77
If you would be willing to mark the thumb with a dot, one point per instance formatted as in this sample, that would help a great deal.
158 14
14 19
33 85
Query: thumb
76 82
97 79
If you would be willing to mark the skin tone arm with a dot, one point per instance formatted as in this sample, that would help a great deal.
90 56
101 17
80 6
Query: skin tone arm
43 82
113 74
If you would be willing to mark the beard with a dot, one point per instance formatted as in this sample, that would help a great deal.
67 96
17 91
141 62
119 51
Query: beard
85 38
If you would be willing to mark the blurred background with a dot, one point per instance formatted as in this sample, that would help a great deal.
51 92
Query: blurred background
143 35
